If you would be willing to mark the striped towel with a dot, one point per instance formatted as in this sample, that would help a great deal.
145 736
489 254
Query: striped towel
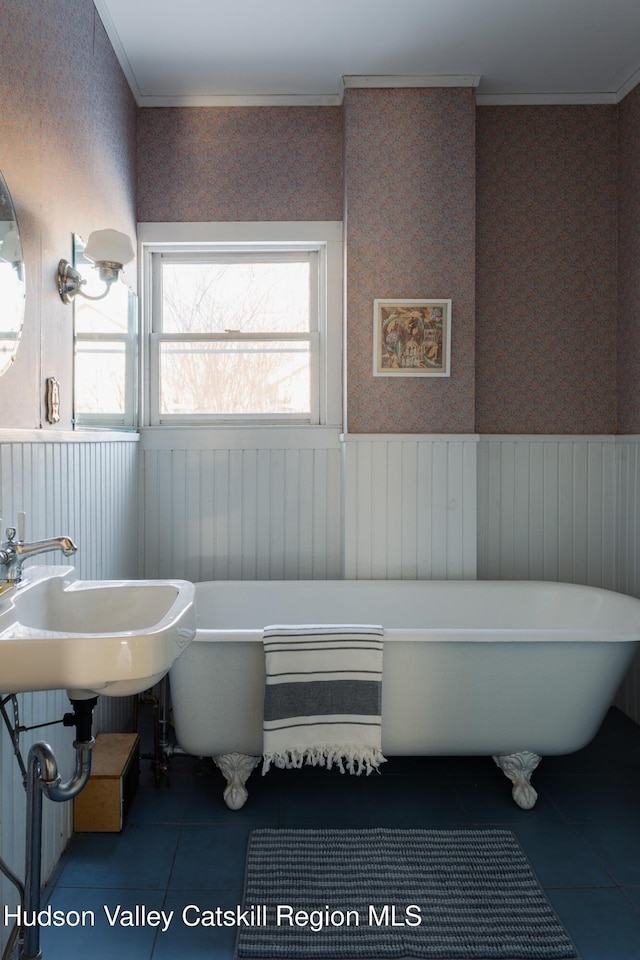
323 696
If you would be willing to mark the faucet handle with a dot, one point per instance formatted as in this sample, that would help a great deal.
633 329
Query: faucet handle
11 531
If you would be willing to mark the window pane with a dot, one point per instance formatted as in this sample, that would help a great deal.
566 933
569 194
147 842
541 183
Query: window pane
110 315
237 297
100 377
235 378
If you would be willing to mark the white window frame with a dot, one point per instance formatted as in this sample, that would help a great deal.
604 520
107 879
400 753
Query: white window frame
323 239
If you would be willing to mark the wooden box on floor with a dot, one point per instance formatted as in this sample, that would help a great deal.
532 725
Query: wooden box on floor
102 805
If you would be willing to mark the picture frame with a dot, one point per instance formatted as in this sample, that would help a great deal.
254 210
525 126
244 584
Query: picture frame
411 338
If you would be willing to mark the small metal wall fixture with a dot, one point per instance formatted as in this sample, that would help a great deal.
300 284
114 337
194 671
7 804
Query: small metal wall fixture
52 400
109 250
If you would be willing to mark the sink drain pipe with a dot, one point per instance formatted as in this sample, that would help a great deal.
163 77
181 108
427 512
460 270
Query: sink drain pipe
43 778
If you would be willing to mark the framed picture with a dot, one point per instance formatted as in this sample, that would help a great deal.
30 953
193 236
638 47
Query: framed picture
411 338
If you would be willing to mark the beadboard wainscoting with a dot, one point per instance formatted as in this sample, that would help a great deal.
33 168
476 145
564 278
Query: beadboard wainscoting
241 503
85 486
563 508
547 509
628 552
409 506
298 503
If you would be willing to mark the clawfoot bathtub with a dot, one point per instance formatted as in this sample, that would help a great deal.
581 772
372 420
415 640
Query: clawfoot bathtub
513 670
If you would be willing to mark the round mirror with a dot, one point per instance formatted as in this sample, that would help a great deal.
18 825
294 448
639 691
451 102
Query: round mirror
12 286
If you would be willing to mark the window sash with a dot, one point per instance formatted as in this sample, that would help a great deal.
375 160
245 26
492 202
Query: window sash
313 337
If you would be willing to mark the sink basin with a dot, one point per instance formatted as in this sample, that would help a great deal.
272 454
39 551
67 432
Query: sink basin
108 637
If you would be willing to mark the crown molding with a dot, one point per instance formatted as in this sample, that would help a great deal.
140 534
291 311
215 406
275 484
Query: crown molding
436 80
307 100
540 99
390 82
242 100
114 39
628 86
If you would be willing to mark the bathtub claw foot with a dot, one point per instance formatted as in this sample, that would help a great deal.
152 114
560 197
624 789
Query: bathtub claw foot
236 768
518 767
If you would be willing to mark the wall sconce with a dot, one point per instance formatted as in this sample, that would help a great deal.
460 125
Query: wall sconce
109 250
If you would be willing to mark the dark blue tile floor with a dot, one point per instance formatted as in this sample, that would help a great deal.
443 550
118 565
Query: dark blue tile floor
182 847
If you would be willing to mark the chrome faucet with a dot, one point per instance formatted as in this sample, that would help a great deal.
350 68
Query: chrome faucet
13 553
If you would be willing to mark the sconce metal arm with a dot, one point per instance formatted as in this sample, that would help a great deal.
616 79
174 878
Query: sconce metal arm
70 281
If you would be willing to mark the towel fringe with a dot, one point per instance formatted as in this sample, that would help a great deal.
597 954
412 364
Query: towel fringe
348 758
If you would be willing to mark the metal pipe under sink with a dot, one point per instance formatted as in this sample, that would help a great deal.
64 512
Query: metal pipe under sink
43 778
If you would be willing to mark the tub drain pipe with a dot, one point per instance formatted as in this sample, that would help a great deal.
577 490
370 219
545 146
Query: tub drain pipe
43 778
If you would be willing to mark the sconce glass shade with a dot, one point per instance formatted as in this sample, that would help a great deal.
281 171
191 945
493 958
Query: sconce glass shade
109 246
109 250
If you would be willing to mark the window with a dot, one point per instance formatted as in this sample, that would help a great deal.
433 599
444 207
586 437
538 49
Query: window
240 331
105 355
236 335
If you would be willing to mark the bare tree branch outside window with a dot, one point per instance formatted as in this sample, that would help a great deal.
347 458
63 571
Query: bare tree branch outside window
235 338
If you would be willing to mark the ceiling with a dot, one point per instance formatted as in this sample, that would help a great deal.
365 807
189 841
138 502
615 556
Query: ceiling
200 52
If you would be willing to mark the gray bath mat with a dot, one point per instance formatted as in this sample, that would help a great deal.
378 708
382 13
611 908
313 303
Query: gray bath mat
382 894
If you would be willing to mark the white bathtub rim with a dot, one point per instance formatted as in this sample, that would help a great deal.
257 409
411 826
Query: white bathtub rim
618 614
449 585
473 635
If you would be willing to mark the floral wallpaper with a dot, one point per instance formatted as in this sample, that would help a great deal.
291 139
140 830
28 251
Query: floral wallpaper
239 163
410 228
546 269
512 212
629 280
68 154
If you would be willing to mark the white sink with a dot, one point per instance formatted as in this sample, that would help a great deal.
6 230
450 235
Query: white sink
108 637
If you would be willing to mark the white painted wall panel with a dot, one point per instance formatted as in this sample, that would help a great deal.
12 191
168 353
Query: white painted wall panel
547 509
563 508
628 543
241 504
283 504
409 506
86 488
